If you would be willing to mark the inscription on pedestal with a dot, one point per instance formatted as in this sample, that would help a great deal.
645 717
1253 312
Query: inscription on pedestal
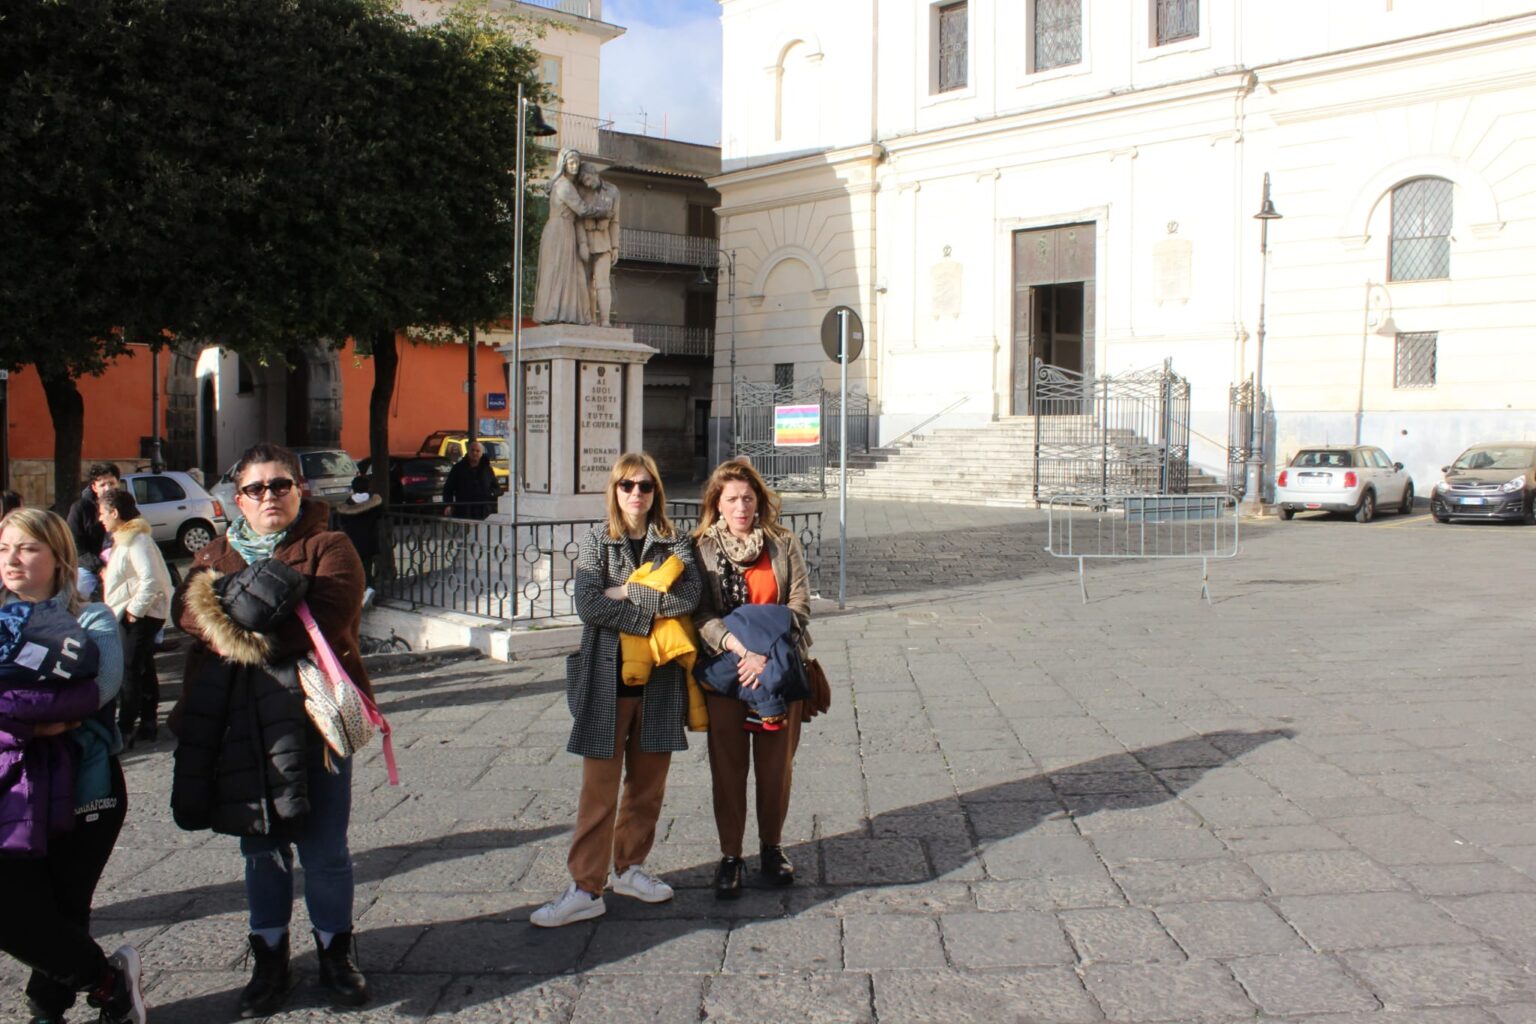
536 432
599 423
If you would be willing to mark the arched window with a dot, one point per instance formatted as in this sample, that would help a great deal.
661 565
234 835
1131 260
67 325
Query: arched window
1421 230
795 114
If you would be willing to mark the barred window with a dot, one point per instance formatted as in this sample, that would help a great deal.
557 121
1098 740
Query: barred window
1421 230
1416 360
783 375
1058 33
1175 20
952 46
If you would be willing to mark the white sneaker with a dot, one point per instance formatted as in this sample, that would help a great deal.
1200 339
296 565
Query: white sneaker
635 882
570 906
127 1004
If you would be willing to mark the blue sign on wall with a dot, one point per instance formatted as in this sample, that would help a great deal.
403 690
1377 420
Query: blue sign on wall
495 399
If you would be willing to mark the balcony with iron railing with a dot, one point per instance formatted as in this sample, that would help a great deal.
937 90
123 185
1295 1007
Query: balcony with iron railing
674 339
573 131
665 247
580 8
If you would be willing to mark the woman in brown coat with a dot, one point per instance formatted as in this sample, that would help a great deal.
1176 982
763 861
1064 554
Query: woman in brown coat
746 557
280 548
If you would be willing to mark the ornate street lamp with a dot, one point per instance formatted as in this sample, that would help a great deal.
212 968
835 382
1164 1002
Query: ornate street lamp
1253 496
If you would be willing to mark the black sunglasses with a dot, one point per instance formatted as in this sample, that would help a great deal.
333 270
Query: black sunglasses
279 488
646 486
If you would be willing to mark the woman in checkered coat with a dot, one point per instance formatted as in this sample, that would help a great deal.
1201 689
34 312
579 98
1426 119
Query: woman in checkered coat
625 733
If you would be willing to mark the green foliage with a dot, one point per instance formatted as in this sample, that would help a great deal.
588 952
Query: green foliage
250 173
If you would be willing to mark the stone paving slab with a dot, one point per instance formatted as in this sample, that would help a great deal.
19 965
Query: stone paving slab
1307 801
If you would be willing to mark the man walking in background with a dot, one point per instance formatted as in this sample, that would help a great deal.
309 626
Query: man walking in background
90 535
471 490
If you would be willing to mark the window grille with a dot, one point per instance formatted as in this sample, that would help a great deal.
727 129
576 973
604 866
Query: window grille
1176 19
952 46
1421 230
1058 33
783 375
1416 360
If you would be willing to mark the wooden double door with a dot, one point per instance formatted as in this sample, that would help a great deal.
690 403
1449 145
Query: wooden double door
1053 304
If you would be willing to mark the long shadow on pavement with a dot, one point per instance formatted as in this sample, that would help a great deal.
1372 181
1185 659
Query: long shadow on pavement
907 846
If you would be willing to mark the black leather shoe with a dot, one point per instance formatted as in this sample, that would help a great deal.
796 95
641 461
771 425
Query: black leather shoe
268 987
339 974
777 870
728 878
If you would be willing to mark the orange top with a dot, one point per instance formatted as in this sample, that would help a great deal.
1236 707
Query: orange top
762 588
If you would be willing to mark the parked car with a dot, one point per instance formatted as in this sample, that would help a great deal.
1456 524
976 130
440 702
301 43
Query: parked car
1357 479
1488 481
177 509
327 474
415 481
450 445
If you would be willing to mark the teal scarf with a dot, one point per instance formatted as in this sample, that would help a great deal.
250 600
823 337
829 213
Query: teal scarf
253 547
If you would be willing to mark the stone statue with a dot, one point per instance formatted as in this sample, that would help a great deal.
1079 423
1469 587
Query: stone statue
601 230
563 294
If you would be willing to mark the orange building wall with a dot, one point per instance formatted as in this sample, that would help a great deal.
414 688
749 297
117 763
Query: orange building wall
429 393
117 410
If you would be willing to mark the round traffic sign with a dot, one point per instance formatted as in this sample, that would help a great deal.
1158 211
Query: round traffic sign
829 333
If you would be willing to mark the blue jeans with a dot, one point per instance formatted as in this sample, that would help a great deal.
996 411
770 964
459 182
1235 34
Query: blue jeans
322 843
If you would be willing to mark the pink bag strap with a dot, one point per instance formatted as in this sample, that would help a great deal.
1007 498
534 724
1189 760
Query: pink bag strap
333 668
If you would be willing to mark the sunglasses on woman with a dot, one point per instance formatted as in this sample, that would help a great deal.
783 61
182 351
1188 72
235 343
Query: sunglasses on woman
646 486
279 488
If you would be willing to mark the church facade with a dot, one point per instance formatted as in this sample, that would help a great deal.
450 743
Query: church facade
995 182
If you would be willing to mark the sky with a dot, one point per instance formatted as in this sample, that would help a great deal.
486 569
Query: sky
664 71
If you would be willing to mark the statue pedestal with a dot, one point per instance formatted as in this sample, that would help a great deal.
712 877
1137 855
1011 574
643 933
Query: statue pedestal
583 404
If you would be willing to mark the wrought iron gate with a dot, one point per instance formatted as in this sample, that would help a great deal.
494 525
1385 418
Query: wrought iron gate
784 468
1240 446
1110 435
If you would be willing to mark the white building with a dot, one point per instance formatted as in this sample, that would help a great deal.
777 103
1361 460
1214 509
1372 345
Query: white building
946 167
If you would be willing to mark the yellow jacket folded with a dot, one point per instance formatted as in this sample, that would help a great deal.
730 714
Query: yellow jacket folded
672 638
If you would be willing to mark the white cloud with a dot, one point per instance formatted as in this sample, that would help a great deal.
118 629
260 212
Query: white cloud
671 72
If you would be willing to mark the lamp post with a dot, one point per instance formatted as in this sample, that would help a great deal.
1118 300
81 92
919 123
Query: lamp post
1253 490
530 121
730 270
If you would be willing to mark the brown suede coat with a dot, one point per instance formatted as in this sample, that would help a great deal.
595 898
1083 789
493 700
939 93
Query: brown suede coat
334 573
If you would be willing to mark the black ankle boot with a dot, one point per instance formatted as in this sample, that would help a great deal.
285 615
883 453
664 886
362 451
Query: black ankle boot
338 970
777 870
268 987
728 878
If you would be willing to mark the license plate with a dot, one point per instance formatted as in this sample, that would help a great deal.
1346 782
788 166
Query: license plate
437 498
1314 505
1474 501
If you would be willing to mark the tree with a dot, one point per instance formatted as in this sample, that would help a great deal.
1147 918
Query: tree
247 174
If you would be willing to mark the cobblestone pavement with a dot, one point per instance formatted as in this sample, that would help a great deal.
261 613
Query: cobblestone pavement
1308 801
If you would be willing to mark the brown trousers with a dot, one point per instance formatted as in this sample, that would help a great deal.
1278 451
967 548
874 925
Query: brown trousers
772 758
609 833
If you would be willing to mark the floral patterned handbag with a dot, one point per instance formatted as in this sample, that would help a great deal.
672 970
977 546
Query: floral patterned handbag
341 711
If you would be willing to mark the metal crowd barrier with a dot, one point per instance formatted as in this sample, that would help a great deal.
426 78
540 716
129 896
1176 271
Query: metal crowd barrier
1142 526
525 572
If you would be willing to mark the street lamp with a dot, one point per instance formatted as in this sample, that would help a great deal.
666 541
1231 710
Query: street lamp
530 121
1253 498
730 270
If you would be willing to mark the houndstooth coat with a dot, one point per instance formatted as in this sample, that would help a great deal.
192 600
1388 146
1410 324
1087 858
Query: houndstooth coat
591 674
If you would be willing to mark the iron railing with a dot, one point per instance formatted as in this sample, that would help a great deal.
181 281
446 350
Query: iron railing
858 422
665 247
519 573
1126 434
673 339
573 131
1240 441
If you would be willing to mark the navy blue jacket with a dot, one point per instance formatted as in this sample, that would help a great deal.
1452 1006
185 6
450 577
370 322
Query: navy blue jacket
767 629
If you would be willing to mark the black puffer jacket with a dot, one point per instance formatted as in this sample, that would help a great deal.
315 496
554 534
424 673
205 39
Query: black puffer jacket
242 733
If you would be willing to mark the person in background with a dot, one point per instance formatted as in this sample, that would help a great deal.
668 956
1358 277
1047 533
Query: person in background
9 500
358 518
85 524
471 490
64 798
137 586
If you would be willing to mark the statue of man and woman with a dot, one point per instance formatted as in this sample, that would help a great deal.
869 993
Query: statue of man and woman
578 246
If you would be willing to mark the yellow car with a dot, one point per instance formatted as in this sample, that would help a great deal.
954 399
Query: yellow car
449 444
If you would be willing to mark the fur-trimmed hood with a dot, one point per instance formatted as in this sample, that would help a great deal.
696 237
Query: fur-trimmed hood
224 635
129 528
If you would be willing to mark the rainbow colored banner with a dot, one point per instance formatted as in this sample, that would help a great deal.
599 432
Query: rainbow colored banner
796 426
